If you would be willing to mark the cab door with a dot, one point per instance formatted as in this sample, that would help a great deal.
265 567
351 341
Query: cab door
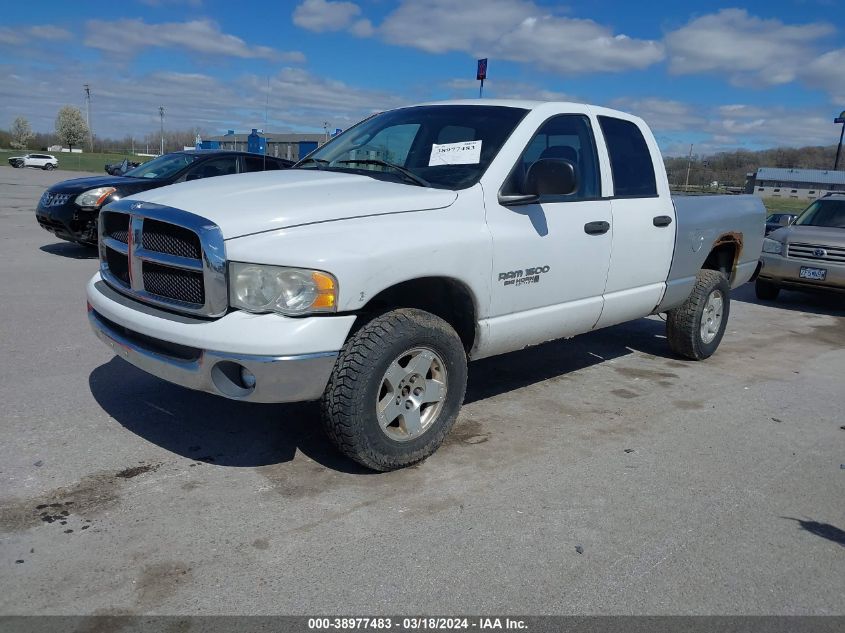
643 240
550 258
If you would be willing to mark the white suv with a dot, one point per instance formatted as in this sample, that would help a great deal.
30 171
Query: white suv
43 161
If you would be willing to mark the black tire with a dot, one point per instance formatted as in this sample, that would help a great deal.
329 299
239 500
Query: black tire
766 290
683 324
348 404
49 166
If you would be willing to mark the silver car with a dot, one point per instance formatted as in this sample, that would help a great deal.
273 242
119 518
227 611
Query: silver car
809 254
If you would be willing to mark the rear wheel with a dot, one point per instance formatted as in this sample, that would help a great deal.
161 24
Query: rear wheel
696 327
396 389
766 290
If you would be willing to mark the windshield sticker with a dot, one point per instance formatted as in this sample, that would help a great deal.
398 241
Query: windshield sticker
465 153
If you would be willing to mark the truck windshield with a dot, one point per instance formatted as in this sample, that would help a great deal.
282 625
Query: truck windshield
447 147
829 213
162 167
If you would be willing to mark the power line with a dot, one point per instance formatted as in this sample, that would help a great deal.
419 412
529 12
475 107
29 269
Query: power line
87 89
161 116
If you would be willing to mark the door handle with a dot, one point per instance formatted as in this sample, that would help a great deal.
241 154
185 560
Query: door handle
596 228
662 220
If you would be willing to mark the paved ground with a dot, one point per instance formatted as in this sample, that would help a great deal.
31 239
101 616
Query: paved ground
709 487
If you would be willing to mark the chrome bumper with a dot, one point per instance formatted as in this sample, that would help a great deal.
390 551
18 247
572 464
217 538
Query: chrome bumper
268 378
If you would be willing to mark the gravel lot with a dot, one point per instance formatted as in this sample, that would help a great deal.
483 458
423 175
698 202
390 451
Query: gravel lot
596 475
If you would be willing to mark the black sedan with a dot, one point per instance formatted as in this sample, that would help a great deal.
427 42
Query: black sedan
69 209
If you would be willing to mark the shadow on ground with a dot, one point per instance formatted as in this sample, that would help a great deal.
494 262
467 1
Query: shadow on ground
812 303
211 429
823 530
70 250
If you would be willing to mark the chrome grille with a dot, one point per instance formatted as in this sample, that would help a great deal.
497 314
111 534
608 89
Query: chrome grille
174 283
818 253
164 256
54 199
169 238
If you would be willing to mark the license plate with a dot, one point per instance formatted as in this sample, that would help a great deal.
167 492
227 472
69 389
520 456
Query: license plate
817 274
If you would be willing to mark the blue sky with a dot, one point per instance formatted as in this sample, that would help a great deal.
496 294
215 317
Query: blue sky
720 75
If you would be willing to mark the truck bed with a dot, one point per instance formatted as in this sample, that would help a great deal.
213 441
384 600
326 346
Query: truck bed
701 223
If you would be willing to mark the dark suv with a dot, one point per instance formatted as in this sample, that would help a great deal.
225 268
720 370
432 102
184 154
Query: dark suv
69 209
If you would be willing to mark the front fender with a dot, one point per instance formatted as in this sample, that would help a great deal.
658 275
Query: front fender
368 255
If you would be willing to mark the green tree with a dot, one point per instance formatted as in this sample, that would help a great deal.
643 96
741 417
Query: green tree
21 132
70 126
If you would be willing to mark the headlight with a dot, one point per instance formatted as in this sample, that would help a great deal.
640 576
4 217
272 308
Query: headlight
94 197
772 246
292 291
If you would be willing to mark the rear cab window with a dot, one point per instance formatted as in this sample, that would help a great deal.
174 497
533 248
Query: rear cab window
630 159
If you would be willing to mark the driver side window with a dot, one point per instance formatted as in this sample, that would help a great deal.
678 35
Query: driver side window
568 137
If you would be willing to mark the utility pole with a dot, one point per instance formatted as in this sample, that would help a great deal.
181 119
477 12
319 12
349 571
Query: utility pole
87 89
689 166
161 116
839 119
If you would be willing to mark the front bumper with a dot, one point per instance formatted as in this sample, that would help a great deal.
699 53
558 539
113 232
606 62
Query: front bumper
69 222
784 271
212 356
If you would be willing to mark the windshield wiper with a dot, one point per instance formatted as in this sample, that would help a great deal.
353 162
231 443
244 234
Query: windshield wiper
319 162
398 168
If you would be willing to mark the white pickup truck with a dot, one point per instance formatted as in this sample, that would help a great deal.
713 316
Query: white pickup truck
424 237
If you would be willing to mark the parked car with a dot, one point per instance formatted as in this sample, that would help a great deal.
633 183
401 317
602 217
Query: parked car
778 220
809 254
69 209
421 238
119 169
42 161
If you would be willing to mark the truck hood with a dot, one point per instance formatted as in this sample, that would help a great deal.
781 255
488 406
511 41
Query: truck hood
243 204
821 235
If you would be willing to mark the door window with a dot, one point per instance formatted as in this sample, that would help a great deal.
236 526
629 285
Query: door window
222 166
259 163
630 160
568 137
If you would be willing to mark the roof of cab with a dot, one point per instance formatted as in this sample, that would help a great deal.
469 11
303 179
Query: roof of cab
528 104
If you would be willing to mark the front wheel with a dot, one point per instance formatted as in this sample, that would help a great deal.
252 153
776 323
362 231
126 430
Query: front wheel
49 166
696 327
396 389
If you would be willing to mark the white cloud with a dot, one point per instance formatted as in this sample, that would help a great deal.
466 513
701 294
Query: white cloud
516 30
513 30
124 104
745 48
828 73
663 115
12 36
198 36
323 15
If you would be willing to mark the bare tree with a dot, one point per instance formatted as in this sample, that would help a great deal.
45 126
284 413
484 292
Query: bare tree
70 126
21 132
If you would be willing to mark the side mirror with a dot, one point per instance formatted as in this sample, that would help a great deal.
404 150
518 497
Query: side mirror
193 177
545 177
786 220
